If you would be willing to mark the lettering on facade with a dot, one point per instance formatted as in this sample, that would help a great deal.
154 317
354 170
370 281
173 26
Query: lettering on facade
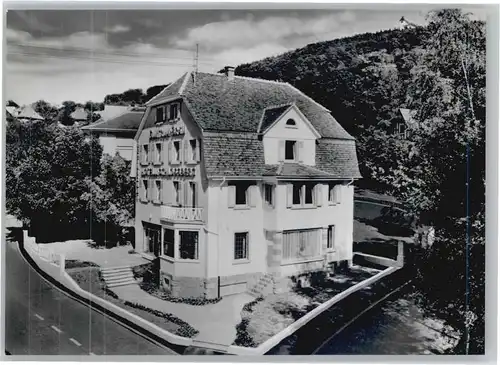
167 132
172 171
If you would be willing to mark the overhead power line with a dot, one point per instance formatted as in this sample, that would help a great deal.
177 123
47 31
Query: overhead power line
98 52
98 59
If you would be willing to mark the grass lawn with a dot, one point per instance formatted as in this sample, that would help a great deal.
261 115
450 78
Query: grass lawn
265 317
89 279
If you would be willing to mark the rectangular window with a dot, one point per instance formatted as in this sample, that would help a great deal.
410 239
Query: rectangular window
331 237
177 195
157 152
303 194
241 246
174 112
268 194
308 191
145 153
177 151
158 191
241 194
192 143
168 242
145 190
290 150
188 245
297 192
192 194
159 114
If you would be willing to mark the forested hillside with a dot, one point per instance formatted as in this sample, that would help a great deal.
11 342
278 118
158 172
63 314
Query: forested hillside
361 79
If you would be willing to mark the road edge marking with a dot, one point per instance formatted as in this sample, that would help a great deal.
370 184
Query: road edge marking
56 329
39 317
75 342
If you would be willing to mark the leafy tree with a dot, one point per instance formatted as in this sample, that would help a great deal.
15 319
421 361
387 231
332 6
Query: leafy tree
440 175
152 91
46 171
46 110
111 197
65 111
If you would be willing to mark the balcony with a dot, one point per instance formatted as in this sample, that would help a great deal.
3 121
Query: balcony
181 213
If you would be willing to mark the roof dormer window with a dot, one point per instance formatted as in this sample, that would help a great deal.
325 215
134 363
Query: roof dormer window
291 123
290 153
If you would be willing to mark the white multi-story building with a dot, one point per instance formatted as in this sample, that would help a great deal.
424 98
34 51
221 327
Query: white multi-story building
240 178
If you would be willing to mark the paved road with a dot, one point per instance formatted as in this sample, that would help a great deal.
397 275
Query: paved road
41 320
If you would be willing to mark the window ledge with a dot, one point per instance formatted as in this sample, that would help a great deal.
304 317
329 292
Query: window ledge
302 207
158 163
333 203
187 261
144 163
241 262
167 258
241 207
175 162
191 162
157 202
145 201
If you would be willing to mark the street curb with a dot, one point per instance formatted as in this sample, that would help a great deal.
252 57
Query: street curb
175 343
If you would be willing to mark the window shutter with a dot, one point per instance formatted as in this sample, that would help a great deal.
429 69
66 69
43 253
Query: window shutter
164 151
156 115
336 194
169 151
231 197
196 195
289 195
187 202
300 151
166 113
281 151
185 145
150 189
151 152
252 196
319 195
181 193
164 193
198 150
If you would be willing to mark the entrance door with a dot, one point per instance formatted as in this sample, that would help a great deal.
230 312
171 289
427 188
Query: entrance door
152 239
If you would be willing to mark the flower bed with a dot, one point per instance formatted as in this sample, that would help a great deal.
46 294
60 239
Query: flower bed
89 279
267 316
71 264
153 289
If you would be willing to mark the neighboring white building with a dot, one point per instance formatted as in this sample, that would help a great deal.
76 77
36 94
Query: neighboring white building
240 178
116 134
80 115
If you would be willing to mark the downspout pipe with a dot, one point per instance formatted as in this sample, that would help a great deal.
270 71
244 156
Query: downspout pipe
218 240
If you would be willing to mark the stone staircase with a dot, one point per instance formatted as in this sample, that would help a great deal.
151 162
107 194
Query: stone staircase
118 276
270 284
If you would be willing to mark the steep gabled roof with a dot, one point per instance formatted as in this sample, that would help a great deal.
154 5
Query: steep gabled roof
408 116
27 112
271 114
242 154
128 121
220 104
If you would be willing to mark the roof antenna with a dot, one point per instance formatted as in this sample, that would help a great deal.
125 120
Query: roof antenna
195 64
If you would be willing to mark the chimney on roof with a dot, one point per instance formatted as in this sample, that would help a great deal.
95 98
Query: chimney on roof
229 70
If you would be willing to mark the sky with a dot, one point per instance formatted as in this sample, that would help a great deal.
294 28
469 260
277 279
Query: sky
81 55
